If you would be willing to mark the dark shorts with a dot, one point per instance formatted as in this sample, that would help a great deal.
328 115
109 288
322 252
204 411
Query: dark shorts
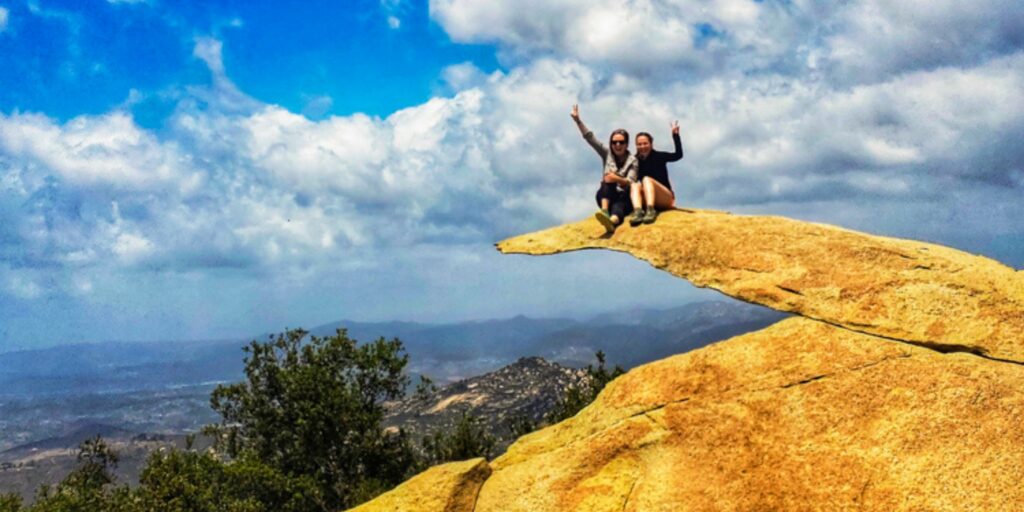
618 201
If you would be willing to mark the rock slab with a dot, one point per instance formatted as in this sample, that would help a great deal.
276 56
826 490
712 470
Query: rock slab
451 487
799 416
900 386
901 289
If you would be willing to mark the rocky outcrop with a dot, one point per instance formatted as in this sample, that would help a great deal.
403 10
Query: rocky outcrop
900 387
526 389
902 289
799 416
451 487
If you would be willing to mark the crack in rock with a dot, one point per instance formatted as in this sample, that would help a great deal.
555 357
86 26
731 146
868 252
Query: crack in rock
629 494
942 348
729 390
845 370
790 290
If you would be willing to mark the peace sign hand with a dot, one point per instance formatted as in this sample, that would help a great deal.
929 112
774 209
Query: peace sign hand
575 113
675 127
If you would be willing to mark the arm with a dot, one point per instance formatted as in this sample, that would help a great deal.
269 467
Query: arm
587 134
610 177
632 174
678 153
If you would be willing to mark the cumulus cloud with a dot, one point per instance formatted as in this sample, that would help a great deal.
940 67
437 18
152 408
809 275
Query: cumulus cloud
870 39
317 106
4 15
271 190
393 9
209 50
463 76
850 42
667 37
778 116
97 151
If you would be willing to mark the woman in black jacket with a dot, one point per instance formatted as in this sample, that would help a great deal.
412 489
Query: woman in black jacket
653 189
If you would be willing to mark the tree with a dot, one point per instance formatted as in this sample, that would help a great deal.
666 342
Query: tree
89 487
10 502
96 464
314 408
519 425
579 396
173 481
187 481
469 439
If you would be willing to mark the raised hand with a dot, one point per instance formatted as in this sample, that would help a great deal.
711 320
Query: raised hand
675 127
575 113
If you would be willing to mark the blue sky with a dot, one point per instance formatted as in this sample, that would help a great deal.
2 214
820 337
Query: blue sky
68 58
179 170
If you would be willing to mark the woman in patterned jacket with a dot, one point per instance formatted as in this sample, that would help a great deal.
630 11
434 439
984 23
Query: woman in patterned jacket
619 173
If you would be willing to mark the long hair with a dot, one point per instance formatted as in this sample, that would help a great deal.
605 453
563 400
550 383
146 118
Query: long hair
624 133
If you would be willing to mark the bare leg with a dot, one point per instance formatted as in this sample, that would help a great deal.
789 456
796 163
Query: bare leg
604 204
636 195
658 195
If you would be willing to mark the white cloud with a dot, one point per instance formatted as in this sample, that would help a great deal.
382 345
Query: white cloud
463 76
393 9
317 106
646 37
274 190
102 151
209 50
24 288
236 187
4 15
872 38
853 42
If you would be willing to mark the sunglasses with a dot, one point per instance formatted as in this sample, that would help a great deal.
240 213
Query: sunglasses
618 142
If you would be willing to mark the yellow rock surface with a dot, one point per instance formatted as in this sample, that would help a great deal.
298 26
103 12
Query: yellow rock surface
451 487
899 387
799 416
888 287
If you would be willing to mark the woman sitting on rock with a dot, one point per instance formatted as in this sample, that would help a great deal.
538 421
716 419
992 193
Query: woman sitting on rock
654 191
619 174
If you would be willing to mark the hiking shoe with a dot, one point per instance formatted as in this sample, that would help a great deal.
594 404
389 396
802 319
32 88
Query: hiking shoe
637 218
605 220
650 216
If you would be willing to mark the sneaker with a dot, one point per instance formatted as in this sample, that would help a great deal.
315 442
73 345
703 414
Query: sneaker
605 220
650 216
637 218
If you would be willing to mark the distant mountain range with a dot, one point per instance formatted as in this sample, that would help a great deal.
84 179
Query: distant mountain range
527 388
451 352
145 395
164 387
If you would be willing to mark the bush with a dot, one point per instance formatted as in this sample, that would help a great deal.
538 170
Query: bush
314 409
468 440
186 481
10 502
88 488
578 397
